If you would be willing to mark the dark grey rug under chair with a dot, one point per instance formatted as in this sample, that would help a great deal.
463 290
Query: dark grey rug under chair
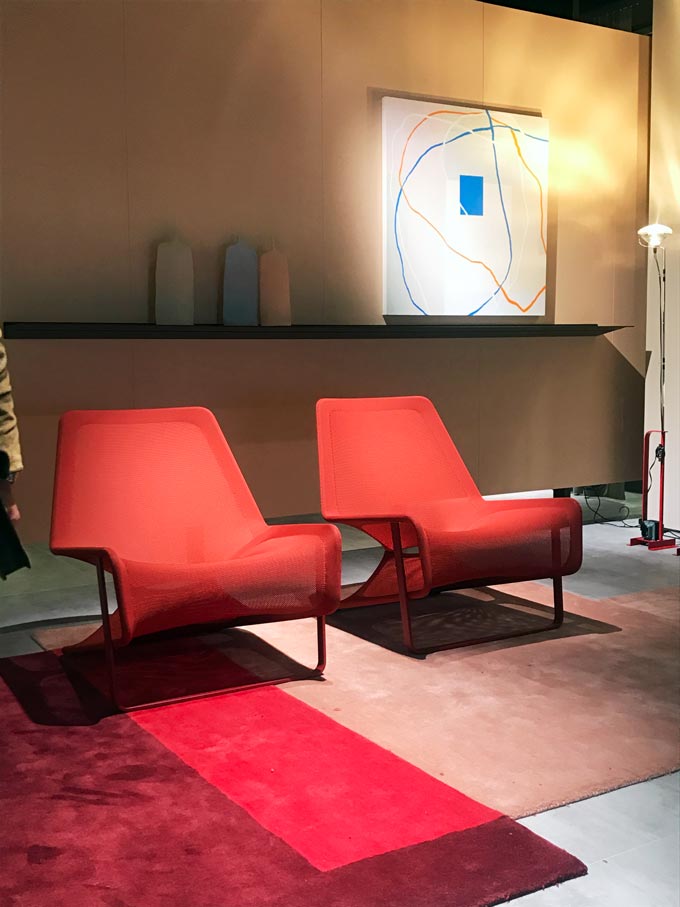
452 617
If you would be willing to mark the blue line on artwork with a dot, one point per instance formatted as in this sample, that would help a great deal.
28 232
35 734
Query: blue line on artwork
505 217
491 128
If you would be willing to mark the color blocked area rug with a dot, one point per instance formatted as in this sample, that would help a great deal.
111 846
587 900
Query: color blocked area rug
250 799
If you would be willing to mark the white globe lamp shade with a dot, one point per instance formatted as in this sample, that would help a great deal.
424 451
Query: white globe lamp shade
653 235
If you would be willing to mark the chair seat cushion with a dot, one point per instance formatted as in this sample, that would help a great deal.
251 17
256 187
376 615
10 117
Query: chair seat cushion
507 539
283 573
473 540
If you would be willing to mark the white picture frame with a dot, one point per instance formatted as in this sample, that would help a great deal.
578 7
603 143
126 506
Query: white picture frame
465 210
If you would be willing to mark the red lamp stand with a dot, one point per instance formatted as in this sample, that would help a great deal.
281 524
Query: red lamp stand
660 542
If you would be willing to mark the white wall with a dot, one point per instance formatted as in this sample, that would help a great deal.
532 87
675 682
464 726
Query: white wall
664 207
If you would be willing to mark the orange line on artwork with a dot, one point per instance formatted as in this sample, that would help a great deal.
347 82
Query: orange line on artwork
438 232
542 290
538 182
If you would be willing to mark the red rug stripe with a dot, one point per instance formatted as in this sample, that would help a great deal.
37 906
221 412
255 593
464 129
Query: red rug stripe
329 793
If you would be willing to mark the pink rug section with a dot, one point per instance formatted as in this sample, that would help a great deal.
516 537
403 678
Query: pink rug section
329 793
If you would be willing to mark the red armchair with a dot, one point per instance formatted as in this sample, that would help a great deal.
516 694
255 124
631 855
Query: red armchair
156 498
389 467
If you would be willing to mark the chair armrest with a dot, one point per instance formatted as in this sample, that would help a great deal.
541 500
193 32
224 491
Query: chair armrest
111 563
395 522
280 530
373 518
393 519
90 555
380 519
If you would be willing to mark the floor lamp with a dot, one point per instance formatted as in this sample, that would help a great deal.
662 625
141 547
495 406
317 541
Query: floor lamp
653 237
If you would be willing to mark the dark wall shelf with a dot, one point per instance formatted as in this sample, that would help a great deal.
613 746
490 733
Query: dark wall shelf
35 330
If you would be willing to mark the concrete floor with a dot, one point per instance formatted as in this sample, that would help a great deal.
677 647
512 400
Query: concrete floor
630 841
629 838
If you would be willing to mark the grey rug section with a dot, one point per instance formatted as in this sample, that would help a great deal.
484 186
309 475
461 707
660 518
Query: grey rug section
611 567
55 589
51 606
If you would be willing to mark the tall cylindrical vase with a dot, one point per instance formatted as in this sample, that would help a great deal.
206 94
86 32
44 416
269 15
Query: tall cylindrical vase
174 303
240 289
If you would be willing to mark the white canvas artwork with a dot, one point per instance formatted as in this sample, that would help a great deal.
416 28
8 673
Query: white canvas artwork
465 193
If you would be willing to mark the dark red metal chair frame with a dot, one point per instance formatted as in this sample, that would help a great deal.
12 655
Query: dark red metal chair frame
406 617
315 673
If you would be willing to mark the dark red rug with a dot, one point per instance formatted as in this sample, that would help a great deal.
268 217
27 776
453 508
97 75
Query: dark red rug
247 800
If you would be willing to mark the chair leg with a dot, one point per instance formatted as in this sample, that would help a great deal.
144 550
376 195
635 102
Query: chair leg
407 624
320 644
109 648
558 602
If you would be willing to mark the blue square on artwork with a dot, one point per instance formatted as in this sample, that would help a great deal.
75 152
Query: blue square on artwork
472 195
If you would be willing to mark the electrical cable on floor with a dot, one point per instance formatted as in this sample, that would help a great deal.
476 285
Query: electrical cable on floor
598 518
651 477
594 510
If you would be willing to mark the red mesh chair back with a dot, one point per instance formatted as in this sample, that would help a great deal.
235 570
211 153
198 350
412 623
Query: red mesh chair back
378 455
155 485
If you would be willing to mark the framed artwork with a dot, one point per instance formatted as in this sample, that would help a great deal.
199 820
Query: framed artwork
465 194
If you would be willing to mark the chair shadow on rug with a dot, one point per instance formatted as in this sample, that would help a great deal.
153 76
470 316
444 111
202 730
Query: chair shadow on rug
72 689
454 616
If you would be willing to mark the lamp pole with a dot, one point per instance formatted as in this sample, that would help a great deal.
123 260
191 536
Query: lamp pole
652 536
661 274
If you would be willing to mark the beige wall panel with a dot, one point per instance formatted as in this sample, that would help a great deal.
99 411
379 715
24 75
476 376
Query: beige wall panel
630 282
270 374
224 117
34 487
51 376
64 193
586 81
231 373
431 48
556 413
270 446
